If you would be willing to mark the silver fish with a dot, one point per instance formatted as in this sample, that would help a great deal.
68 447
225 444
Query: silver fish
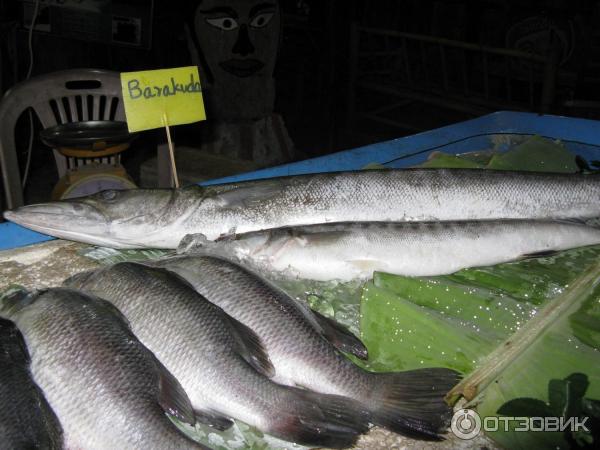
411 403
161 218
349 251
106 388
218 360
26 419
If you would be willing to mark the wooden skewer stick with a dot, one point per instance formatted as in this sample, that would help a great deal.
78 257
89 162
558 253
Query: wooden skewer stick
171 152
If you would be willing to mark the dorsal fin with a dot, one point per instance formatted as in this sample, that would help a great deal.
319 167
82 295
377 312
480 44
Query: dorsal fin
341 338
540 254
213 419
246 196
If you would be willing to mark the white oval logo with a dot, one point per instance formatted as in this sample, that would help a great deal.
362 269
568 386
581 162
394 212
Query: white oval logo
466 424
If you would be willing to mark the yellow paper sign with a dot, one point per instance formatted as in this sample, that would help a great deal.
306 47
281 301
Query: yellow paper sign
156 98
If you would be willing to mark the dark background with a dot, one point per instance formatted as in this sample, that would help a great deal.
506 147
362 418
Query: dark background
340 88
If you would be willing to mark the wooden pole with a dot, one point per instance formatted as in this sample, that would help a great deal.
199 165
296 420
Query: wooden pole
171 153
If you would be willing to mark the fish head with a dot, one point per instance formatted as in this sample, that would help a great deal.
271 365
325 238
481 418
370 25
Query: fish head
113 218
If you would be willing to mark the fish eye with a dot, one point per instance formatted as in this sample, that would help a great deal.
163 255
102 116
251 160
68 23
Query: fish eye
109 195
261 20
223 23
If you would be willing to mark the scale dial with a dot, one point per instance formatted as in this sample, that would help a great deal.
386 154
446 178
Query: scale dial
94 183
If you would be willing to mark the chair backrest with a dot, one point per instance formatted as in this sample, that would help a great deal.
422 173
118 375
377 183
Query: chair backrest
56 98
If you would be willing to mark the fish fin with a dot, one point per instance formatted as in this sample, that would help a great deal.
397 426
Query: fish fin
172 398
338 335
227 237
78 279
412 403
250 347
213 419
540 254
573 221
593 222
341 337
246 196
191 243
321 420
583 166
13 300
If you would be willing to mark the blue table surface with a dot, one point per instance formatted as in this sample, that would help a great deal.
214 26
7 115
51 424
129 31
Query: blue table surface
582 135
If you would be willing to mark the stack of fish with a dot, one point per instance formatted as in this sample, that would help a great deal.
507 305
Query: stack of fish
200 337
112 375
343 225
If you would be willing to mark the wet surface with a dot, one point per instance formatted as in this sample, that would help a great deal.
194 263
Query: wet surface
42 265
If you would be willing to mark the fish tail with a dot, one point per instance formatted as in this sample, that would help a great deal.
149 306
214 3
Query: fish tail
321 420
412 403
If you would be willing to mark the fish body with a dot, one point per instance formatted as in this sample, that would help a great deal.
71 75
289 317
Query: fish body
219 361
346 251
161 218
407 402
106 388
26 419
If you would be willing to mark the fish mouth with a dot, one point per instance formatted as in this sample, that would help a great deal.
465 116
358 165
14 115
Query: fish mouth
242 67
66 220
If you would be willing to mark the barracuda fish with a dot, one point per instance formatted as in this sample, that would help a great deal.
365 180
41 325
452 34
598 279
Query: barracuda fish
219 361
349 251
106 388
26 419
410 403
161 218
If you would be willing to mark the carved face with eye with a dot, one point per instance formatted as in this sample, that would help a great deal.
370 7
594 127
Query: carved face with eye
238 37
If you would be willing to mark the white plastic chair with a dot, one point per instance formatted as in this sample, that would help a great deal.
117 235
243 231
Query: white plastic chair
56 98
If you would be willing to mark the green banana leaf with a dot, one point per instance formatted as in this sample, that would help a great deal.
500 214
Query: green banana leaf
479 308
549 368
535 153
441 160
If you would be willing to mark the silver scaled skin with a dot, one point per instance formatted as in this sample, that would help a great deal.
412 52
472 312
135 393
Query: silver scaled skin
410 402
161 218
106 388
348 251
26 419
219 361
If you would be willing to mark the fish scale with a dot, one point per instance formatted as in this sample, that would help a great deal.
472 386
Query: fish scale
104 385
161 218
346 251
200 345
26 419
272 314
408 402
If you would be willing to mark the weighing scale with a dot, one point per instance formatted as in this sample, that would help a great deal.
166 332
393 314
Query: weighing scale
92 149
